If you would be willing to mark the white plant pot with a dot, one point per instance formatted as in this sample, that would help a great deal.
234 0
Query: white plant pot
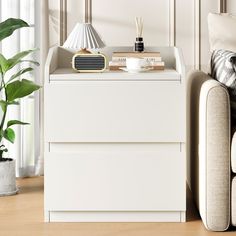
7 178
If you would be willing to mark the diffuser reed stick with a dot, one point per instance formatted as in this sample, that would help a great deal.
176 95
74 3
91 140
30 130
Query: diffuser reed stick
139 26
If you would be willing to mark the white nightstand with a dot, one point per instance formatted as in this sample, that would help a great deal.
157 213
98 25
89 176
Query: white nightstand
115 142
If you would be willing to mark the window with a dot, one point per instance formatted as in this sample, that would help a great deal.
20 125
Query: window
26 147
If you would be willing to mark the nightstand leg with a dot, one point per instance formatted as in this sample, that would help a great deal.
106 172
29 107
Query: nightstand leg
47 216
183 216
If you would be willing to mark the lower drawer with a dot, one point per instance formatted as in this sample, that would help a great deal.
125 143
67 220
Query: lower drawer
121 180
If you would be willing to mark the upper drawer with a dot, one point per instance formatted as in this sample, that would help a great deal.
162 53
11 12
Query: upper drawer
115 111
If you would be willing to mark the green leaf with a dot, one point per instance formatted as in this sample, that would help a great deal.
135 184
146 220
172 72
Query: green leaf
9 135
1 135
13 103
20 89
18 58
15 122
4 104
3 64
19 73
2 150
8 26
30 61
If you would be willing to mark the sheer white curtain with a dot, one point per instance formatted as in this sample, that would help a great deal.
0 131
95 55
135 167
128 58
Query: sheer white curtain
43 10
26 149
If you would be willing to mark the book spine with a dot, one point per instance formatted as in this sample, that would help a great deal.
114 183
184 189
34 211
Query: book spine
123 63
148 59
117 63
155 67
136 54
158 67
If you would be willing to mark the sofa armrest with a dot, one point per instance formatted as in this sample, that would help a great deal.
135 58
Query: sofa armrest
212 160
195 80
214 155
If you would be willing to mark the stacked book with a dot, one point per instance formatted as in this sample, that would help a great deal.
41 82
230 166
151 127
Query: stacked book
153 58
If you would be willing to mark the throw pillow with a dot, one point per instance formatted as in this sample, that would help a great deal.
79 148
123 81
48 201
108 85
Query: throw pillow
222 33
223 69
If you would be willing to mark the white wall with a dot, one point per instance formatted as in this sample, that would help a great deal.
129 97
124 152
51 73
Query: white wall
166 22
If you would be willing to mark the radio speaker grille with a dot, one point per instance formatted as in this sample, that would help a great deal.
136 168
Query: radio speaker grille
93 62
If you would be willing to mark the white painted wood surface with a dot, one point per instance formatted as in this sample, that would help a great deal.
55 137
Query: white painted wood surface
231 6
115 146
66 74
88 216
116 181
115 111
72 148
170 55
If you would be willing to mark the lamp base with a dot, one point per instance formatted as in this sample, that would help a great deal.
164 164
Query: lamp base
83 51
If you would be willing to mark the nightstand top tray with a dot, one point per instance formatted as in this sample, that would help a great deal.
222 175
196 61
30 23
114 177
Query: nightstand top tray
58 67
67 74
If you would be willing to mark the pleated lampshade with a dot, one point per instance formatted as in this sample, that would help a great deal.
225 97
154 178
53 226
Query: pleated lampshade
83 36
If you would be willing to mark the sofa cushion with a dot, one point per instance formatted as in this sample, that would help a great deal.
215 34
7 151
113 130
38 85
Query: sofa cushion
233 201
222 33
233 150
222 38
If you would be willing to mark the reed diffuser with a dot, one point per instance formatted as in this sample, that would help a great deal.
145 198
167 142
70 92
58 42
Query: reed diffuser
139 45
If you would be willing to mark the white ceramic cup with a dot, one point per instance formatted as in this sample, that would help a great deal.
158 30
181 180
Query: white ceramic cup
133 63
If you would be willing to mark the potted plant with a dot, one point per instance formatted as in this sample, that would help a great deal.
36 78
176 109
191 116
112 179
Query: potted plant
12 88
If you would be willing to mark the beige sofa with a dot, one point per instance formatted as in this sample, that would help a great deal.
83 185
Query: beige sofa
210 151
212 140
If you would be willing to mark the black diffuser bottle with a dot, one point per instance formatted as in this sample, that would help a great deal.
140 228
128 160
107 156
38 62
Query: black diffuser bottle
139 45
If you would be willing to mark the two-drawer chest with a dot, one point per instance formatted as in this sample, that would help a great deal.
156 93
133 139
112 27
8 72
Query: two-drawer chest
115 142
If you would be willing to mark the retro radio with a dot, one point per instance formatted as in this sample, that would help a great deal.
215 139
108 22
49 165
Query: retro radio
90 62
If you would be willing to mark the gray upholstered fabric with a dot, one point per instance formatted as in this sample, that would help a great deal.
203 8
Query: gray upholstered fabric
211 165
194 84
217 157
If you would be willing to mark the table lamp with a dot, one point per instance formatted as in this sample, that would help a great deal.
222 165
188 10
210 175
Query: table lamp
82 38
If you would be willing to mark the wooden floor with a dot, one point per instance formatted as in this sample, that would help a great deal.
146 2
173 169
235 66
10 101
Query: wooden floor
22 214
